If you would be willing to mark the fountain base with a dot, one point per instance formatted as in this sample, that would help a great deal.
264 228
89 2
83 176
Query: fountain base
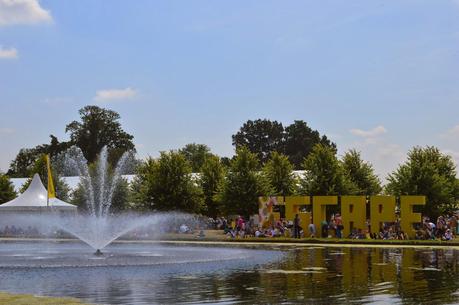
98 253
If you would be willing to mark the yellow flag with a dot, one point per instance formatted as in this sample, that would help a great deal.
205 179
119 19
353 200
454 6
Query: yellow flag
51 191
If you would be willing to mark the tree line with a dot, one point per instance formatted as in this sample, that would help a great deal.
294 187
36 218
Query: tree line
195 180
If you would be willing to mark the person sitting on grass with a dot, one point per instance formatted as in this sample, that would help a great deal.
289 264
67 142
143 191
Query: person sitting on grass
259 233
448 235
312 230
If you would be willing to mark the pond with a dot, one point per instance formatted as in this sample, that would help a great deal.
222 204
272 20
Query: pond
148 273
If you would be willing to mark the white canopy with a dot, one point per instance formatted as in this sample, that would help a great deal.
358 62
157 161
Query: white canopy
35 198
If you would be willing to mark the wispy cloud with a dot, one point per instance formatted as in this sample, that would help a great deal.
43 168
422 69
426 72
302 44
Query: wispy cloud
452 133
10 53
108 95
383 154
454 154
15 12
6 131
377 131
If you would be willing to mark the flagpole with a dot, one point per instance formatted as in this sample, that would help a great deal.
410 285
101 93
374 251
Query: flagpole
47 188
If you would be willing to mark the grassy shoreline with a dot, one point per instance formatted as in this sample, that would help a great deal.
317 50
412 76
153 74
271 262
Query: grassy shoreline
28 299
217 237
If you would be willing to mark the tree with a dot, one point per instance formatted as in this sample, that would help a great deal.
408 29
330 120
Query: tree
212 175
99 127
7 192
264 137
167 184
40 167
324 173
299 141
430 173
261 137
361 174
278 170
196 155
23 164
243 185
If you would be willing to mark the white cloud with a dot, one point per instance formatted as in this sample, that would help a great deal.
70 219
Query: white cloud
379 151
114 94
377 131
15 12
10 53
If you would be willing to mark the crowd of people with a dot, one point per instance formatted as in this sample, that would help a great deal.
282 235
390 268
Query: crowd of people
445 228
14 231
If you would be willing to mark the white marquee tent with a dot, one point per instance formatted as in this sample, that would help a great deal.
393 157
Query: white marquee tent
35 199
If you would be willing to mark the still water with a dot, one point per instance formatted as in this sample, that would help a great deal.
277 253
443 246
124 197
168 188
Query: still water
161 274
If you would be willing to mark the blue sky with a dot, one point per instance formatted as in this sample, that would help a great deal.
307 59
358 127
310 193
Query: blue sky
379 76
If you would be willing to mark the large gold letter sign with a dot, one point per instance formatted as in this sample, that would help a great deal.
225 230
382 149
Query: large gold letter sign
407 215
353 212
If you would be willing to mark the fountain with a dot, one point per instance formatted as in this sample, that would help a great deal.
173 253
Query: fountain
98 226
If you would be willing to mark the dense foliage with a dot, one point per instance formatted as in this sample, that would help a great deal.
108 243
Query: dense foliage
299 140
324 174
212 175
430 173
166 184
196 155
279 172
361 174
263 137
242 185
99 127
7 192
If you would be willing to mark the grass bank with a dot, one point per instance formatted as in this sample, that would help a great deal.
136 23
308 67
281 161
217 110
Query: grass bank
218 236
26 299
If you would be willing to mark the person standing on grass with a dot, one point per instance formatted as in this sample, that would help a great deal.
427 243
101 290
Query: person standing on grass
339 225
296 227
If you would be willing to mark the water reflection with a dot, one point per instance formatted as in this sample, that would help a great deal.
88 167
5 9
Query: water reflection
303 275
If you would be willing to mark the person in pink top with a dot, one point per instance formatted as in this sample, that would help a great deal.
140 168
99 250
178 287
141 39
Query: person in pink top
339 225
240 224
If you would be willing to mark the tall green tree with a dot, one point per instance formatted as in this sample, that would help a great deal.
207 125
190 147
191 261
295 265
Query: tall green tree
361 174
243 185
324 174
7 192
299 140
196 154
212 175
279 172
167 184
430 173
40 167
261 137
99 127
